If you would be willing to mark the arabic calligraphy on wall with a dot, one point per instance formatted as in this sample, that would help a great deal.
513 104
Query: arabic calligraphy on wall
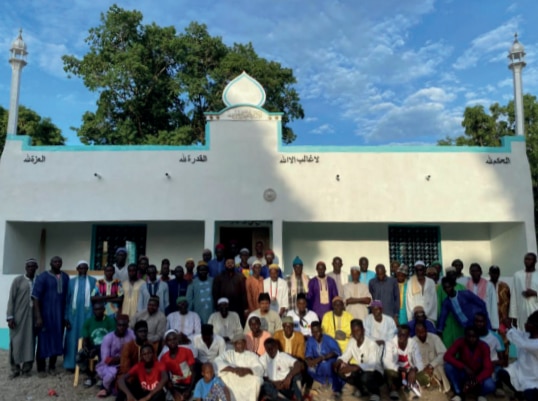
193 159
34 159
498 160
299 159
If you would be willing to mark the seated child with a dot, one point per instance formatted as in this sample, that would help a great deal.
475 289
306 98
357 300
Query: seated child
210 387
145 380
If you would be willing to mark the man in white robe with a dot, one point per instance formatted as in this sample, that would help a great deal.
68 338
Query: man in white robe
421 291
225 323
379 327
184 321
277 289
241 371
524 292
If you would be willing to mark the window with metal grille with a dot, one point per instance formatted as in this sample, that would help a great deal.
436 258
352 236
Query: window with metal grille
109 237
407 244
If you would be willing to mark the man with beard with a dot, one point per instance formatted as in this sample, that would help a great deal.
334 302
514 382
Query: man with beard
111 347
200 293
241 371
20 320
225 323
184 321
231 285
49 296
290 341
177 287
297 282
153 288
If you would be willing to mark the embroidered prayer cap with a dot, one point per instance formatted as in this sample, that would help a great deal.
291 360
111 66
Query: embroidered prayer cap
420 263
376 303
181 299
450 269
207 329
189 260
238 337
287 319
269 251
31 260
273 266
435 263
219 247
297 261
356 268
202 263
256 262
82 262
120 250
223 301
170 332
337 298
244 250
403 269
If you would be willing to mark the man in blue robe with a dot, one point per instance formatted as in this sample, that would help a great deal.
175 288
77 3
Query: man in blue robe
463 304
78 309
321 353
50 295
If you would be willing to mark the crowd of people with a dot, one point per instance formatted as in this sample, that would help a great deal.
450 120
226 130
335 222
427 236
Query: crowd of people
233 328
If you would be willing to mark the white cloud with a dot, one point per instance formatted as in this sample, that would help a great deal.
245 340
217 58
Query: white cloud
491 43
310 119
323 129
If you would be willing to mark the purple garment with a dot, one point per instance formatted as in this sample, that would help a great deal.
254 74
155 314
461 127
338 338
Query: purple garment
110 348
313 296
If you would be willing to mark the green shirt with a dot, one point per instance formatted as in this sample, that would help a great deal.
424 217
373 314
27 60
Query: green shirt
96 330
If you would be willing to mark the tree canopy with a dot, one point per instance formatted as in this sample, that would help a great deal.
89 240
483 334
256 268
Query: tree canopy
483 129
154 84
40 129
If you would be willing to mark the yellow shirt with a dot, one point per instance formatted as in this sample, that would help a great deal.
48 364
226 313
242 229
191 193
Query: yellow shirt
331 323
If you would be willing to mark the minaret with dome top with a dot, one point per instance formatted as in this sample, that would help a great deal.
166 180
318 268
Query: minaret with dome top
17 60
517 62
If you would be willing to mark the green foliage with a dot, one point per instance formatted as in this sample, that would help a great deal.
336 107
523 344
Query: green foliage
483 129
41 130
154 84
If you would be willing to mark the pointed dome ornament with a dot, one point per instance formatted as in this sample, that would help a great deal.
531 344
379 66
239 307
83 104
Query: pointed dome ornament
243 91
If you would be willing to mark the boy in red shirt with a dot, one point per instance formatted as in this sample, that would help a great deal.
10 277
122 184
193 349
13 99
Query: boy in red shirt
146 379
179 362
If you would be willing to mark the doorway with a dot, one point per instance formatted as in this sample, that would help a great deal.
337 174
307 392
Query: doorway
237 235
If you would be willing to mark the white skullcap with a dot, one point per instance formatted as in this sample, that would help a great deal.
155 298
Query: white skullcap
80 262
420 263
222 301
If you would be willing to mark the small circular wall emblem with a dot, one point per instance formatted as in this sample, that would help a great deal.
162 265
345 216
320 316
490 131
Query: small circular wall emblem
269 195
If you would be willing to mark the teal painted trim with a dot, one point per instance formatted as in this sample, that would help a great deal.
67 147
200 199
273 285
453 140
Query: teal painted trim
243 75
218 113
27 146
4 338
506 147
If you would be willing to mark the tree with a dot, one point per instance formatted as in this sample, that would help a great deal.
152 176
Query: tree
154 85
482 129
40 129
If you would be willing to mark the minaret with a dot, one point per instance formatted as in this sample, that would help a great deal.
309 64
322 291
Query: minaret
517 62
17 60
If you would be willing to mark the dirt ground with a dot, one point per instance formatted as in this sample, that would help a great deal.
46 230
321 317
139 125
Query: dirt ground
37 389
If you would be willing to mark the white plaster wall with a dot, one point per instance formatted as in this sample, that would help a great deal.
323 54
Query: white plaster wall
313 242
508 246
468 242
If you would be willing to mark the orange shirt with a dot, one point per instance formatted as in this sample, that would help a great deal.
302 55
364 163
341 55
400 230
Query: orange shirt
254 289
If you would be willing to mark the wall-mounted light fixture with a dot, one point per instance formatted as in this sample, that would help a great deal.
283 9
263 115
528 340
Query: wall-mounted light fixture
167 175
97 175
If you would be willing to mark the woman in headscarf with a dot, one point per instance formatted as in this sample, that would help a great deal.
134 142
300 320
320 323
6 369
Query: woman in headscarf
78 309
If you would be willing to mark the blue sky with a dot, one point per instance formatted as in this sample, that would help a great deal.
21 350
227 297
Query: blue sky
368 72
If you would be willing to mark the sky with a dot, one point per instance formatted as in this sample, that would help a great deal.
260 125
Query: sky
368 72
